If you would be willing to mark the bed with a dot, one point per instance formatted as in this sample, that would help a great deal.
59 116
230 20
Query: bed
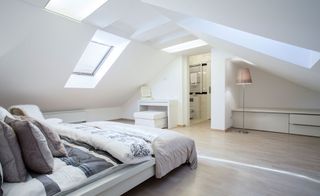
140 153
84 172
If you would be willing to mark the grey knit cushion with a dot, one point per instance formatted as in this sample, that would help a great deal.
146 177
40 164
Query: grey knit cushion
54 143
35 151
10 156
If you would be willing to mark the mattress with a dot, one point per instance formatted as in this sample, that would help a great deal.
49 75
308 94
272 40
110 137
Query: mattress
82 166
157 123
152 115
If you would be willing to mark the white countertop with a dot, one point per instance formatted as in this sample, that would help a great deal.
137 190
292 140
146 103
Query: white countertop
154 100
279 110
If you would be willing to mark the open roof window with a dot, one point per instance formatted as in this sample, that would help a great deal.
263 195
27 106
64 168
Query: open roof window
92 59
100 54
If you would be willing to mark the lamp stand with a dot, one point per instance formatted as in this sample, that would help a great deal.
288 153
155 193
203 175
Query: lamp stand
243 98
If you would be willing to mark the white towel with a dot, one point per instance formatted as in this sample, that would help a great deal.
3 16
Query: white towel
194 78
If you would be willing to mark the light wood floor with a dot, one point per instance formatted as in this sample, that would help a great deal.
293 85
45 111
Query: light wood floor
258 163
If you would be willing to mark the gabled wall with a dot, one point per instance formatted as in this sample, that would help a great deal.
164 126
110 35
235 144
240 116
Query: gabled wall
167 84
270 91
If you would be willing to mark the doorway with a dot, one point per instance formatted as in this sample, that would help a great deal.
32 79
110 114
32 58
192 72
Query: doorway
199 91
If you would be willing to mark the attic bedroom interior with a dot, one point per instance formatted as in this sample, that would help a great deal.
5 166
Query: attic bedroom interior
159 97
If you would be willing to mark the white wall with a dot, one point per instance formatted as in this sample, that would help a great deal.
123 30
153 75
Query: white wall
199 58
166 85
232 92
270 91
219 110
131 106
169 85
103 114
95 114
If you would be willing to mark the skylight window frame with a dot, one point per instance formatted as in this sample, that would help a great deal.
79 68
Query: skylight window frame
104 58
73 13
185 46
88 82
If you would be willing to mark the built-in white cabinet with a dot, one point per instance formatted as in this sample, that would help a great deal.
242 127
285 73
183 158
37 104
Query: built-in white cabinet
305 119
275 120
262 121
305 124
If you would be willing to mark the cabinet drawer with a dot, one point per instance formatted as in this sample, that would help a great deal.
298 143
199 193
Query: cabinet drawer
305 130
301 119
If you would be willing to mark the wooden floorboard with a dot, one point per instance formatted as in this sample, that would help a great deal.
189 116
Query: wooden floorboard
258 163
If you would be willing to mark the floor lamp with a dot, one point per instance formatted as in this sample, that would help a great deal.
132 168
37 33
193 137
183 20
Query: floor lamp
243 79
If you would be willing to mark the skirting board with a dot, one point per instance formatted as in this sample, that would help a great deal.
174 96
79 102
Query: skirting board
220 130
119 182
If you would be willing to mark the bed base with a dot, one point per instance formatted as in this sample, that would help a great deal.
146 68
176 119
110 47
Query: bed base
119 182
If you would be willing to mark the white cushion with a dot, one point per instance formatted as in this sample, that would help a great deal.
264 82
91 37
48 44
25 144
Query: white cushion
4 113
32 111
1 175
150 115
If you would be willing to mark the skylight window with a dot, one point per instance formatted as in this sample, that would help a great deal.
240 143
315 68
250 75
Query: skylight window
75 9
100 54
185 46
92 59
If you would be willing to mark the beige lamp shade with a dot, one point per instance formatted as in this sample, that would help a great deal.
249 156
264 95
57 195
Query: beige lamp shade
244 76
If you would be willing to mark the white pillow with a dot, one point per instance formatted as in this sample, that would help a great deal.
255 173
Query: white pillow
1 179
4 113
1 175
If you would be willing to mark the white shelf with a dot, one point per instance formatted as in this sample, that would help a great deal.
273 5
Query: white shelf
276 110
302 122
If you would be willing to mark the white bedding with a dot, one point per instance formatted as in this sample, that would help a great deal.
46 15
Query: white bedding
170 148
64 177
128 145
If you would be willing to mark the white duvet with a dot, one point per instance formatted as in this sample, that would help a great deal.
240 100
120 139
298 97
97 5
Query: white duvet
134 144
127 144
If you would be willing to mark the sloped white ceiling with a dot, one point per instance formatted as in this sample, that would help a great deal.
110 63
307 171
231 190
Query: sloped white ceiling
294 22
291 21
41 50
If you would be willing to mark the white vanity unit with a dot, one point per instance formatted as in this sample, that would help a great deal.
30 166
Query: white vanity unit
168 106
302 122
